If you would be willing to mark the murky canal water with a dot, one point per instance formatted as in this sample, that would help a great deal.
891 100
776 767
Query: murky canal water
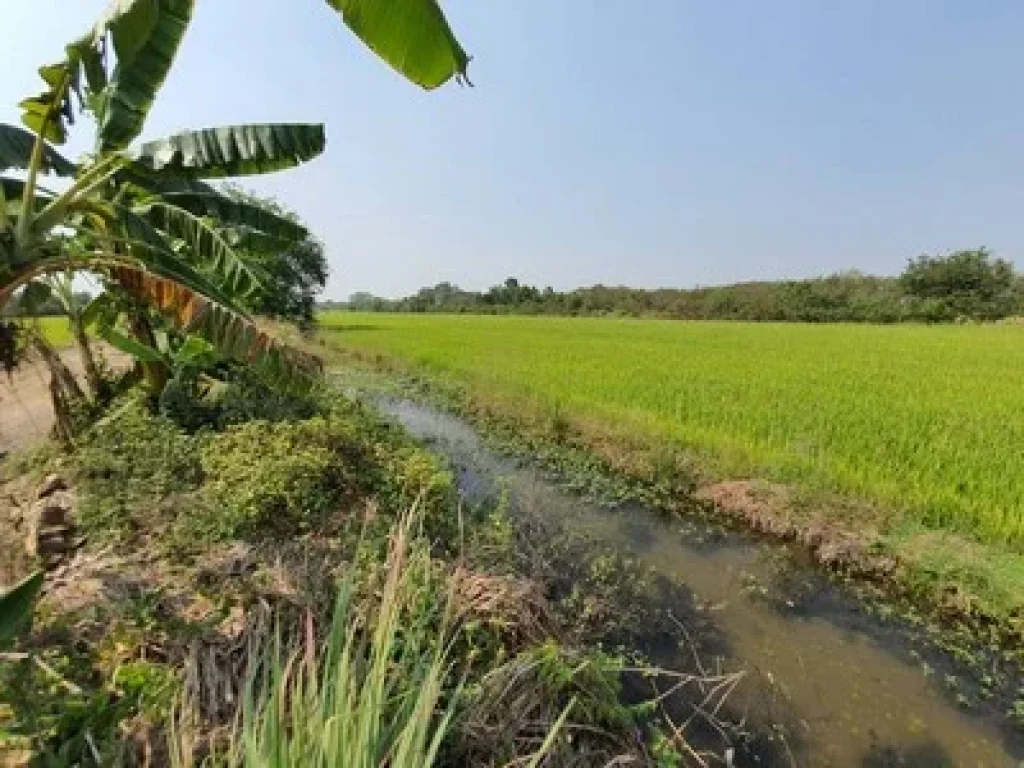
851 695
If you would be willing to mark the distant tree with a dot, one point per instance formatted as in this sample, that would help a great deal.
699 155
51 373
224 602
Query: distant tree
969 284
966 284
361 301
294 271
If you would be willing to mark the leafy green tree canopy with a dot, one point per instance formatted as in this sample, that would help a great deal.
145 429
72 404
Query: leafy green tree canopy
293 270
971 284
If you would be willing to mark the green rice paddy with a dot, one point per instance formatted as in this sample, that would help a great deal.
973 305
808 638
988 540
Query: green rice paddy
925 421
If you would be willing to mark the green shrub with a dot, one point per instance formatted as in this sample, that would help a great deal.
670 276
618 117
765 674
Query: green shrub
247 398
284 476
182 403
131 444
131 460
138 471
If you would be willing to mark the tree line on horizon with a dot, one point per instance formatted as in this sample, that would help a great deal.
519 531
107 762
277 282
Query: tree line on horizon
967 285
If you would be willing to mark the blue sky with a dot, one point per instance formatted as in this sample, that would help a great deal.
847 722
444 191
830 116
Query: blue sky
685 143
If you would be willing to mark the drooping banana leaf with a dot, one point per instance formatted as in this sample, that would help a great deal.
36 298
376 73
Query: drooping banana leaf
144 243
412 36
146 35
17 604
199 198
16 150
254 240
234 336
232 150
207 245
125 343
14 192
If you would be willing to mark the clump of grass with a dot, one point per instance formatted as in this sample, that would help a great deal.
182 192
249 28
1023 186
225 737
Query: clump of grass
382 689
511 710
371 696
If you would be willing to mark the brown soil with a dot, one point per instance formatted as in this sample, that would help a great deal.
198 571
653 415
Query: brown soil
26 415
15 498
775 510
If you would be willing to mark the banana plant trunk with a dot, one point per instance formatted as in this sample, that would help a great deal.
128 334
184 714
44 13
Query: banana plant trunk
64 389
93 376
155 375
63 425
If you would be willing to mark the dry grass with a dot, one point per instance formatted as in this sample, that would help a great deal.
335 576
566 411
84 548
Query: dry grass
515 608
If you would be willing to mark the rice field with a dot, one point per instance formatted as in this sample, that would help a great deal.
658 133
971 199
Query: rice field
926 421
56 330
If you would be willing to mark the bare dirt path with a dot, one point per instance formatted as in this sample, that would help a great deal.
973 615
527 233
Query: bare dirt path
25 412
26 416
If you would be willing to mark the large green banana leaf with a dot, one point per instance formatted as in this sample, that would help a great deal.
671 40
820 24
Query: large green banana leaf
150 247
16 150
17 604
146 35
412 36
208 244
255 241
232 150
201 199
171 290
114 234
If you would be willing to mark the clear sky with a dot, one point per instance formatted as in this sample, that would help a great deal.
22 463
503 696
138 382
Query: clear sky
662 143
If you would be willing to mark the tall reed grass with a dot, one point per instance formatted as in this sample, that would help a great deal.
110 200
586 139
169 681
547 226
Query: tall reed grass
380 690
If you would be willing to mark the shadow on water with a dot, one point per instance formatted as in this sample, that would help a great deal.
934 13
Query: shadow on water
827 684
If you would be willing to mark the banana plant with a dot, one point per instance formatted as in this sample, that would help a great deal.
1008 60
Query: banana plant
144 216
61 288
184 356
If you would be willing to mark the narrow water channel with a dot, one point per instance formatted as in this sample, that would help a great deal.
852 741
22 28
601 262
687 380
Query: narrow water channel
853 695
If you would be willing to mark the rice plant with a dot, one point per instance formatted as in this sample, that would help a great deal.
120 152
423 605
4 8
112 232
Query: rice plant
924 421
